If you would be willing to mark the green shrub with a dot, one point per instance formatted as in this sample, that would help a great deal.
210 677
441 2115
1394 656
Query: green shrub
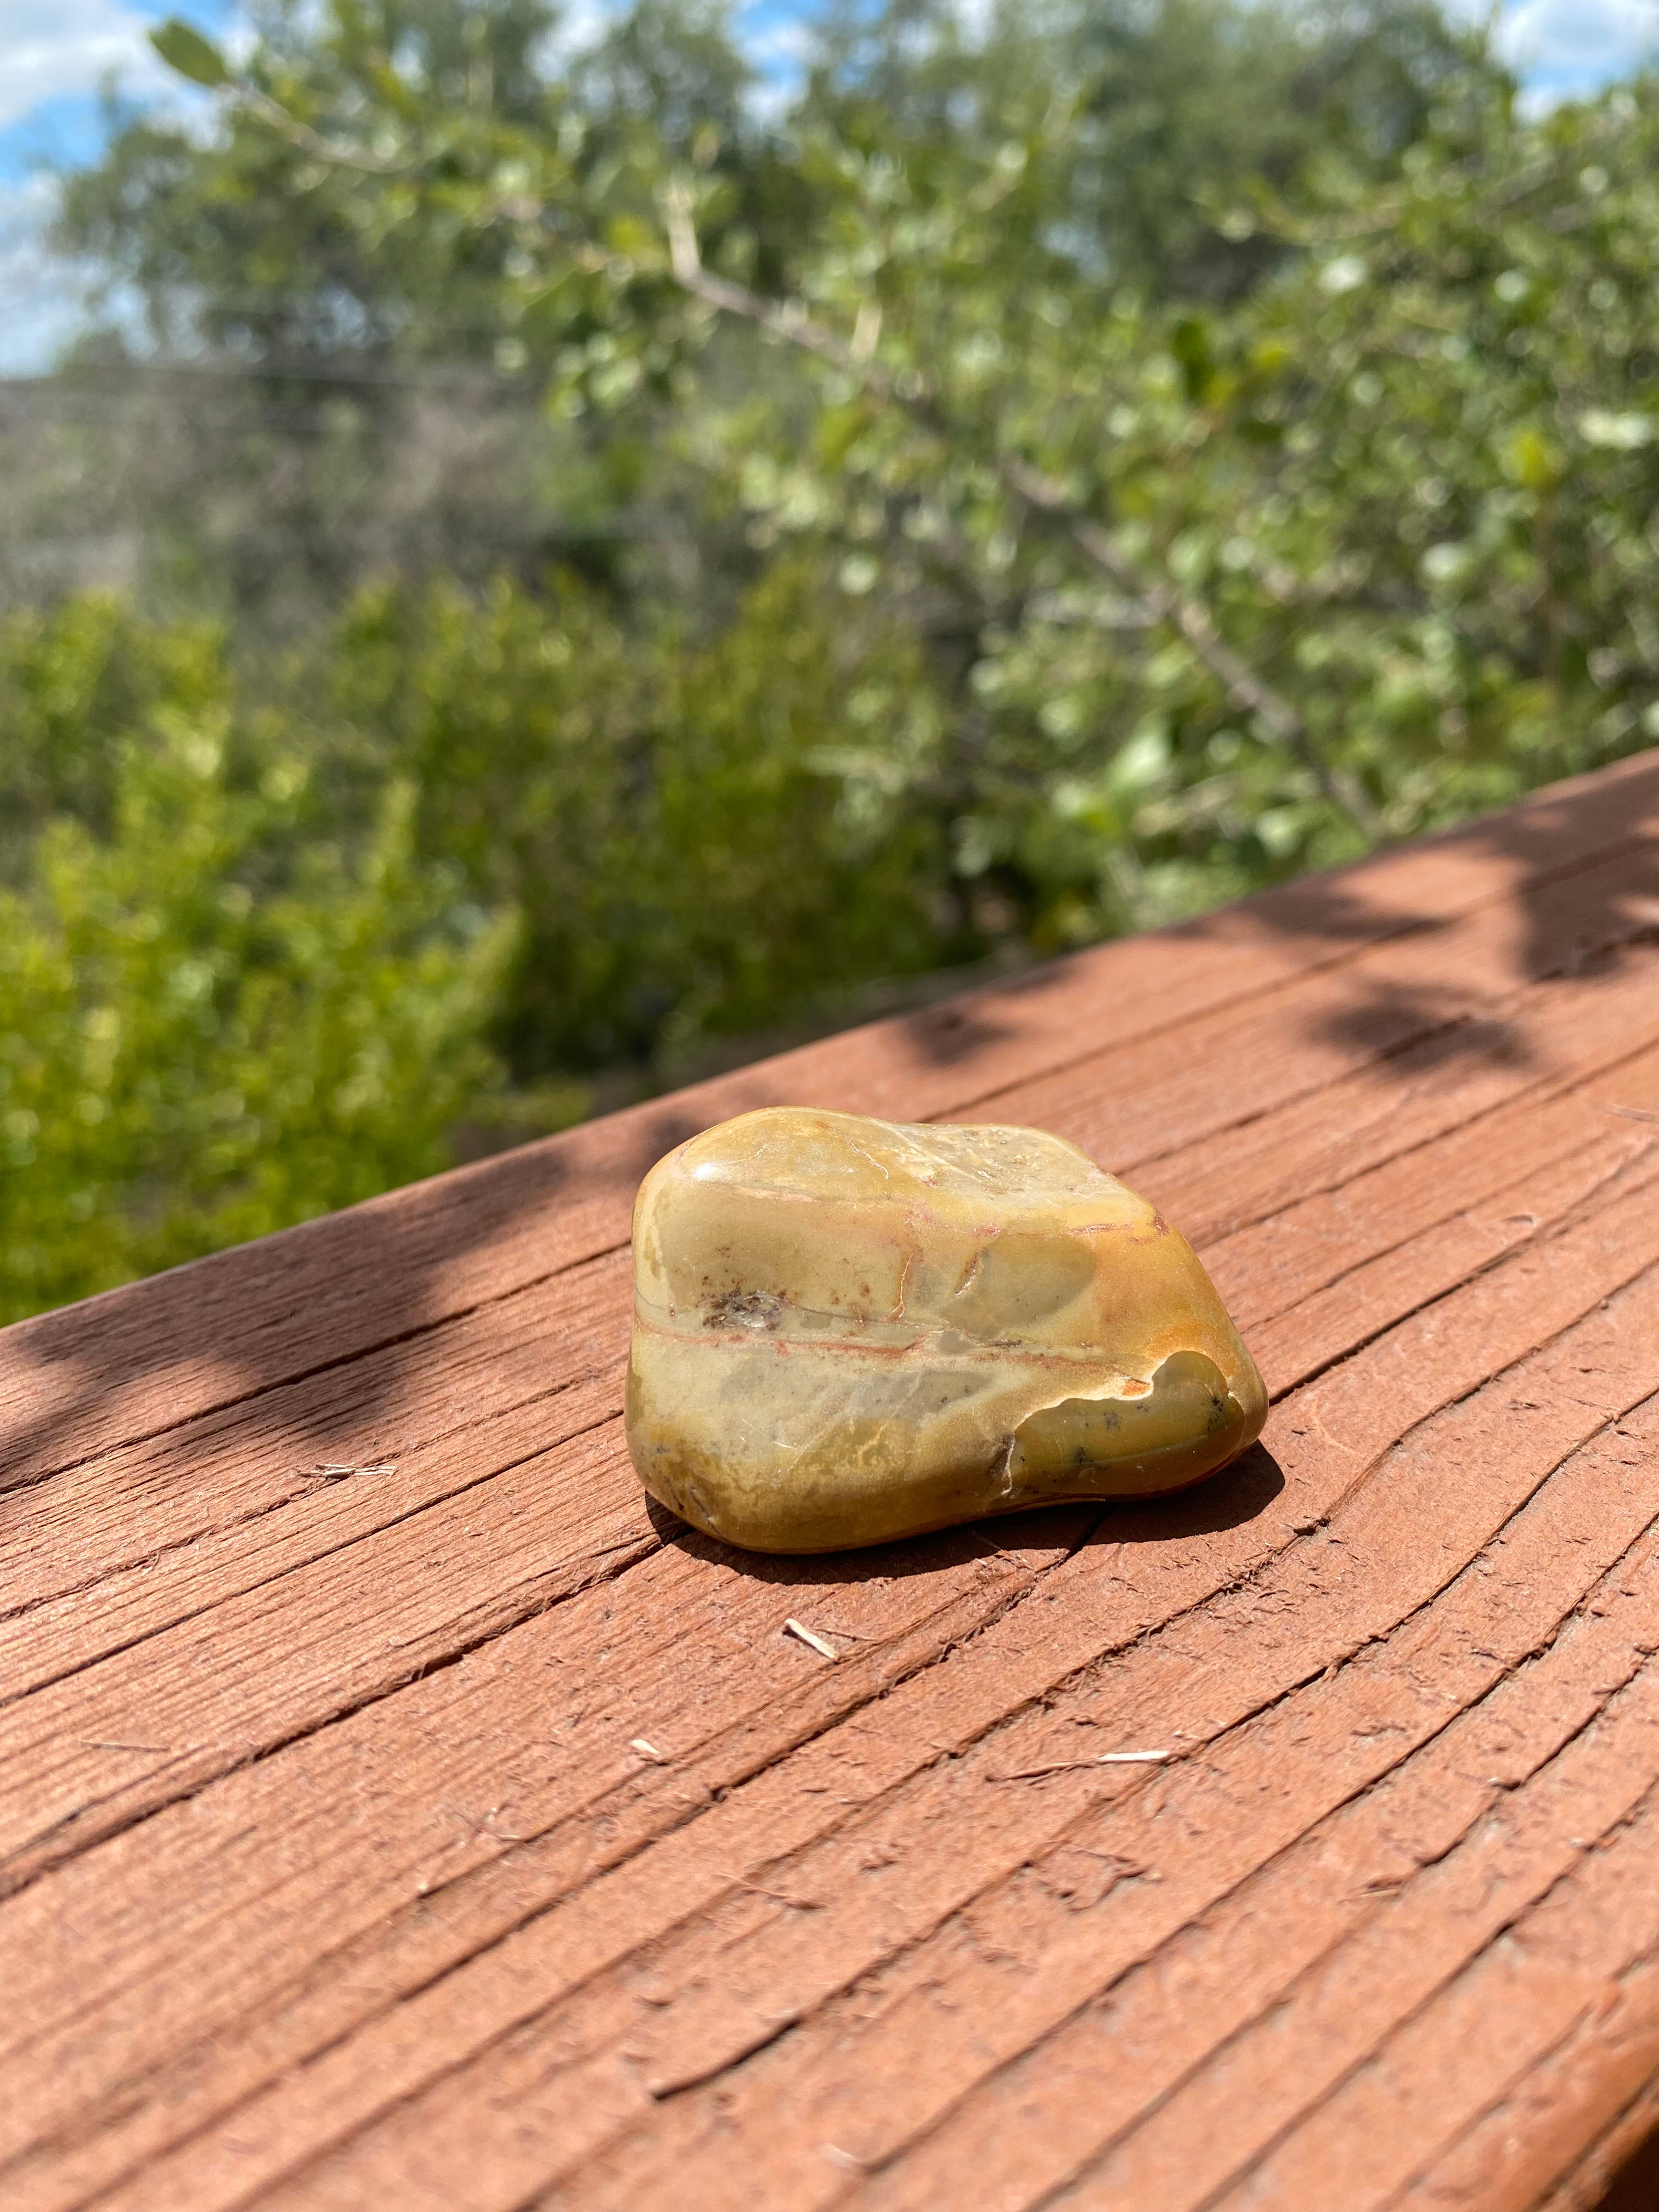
204 1035
684 827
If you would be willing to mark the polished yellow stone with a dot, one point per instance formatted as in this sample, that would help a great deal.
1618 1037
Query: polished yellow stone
848 1330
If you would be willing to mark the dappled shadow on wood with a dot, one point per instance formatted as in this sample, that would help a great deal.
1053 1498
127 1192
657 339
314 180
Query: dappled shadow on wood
258 1316
1572 916
531 1785
946 1035
373 1280
1544 844
1401 1033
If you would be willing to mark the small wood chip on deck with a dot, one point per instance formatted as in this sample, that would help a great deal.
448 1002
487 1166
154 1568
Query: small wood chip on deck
474 1840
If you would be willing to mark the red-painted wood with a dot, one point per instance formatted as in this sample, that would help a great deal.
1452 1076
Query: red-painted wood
330 1878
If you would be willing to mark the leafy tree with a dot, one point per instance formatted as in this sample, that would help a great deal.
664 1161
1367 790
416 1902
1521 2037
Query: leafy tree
310 255
1172 111
1157 527
249 248
206 1030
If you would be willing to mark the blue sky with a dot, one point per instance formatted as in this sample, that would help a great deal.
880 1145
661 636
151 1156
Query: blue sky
55 54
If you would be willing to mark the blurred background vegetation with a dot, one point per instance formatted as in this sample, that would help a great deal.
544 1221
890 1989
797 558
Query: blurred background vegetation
561 564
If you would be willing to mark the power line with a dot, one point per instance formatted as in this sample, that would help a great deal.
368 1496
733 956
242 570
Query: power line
462 378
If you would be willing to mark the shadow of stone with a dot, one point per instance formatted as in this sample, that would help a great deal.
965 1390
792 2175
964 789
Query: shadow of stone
1238 1493
912 1555
1635 2186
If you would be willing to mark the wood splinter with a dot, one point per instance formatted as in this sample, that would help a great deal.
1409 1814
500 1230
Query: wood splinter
1075 1766
810 1635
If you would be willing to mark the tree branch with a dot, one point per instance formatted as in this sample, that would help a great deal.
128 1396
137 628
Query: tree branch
784 319
1194 622
307 140
1188 617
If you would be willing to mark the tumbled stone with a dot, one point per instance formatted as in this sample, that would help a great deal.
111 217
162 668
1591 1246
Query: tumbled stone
848 1330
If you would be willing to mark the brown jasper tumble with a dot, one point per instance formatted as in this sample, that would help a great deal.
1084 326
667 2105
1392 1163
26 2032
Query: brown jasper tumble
846 1331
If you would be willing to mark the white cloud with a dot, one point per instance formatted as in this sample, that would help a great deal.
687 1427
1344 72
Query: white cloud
1575 45
50 49
579 25
42 312
780 43
776 50
55 57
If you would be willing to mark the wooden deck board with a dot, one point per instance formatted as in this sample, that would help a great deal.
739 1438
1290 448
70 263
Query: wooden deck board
331 1880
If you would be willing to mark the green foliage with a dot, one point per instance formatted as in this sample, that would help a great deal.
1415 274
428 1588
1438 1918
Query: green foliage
208 1028
1047 479
183 48
74 686
687 829
1166 112
1188 603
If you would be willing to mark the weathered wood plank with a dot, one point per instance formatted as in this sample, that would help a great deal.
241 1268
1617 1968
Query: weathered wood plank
394 1913
1551 2113
1029 1957
1611 1008
1007 1683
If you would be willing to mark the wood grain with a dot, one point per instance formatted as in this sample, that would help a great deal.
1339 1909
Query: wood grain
335 1879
